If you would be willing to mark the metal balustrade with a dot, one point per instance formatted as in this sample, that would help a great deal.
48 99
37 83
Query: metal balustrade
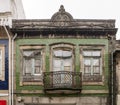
62 80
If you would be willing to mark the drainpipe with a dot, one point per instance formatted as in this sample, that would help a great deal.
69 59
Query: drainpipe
13 68
9 63
112 80
112 71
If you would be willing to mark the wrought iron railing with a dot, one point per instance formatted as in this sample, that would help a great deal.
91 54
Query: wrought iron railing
60 80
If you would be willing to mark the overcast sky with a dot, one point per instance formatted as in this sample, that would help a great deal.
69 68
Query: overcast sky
79 9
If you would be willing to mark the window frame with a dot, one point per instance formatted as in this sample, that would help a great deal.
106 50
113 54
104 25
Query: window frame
2 75
91 58
30 48
62 46
100 48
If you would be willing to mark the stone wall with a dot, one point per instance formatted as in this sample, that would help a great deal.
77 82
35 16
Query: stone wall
61 101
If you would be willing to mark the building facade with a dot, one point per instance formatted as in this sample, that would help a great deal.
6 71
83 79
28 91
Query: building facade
4 66
63 61
9 9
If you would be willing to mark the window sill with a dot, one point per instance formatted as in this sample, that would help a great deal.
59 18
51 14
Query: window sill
93 83
31 83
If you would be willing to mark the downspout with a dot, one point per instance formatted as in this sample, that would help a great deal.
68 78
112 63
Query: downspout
13 68
112 71
9 64
112 103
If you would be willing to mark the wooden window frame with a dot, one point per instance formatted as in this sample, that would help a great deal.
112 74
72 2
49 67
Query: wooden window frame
92 48
62 46
31 47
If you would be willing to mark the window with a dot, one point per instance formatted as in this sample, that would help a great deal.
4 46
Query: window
92 64
32 64
2 62
62 64
62 60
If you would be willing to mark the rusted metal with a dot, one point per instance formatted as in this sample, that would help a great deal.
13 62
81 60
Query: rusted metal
62 80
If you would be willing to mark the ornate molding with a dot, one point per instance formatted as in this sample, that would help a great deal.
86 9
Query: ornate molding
62 18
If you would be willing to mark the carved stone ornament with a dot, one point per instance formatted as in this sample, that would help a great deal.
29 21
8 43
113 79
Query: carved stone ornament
61 18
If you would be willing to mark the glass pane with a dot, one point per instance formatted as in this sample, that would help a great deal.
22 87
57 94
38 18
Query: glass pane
87 70
96 70
67 53
62 53
37 62
68 64
96 53
58 53
31 53
27 53
87 61
28 66
37 70
87 66
96 62
87 53
57 63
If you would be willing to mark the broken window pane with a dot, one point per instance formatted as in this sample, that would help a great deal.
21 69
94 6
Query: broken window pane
32 63
28 66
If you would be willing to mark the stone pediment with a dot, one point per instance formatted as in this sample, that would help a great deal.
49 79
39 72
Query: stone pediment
62 18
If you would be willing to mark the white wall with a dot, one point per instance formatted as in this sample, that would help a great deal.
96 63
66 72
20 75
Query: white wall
13 6
17 9
5 6
11 9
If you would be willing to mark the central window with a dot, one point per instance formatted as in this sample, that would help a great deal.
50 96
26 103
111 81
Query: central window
62 59
62 64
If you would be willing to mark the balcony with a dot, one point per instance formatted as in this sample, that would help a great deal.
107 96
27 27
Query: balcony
62 81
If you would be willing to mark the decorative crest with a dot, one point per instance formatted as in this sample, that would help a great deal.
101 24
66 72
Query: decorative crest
61 9
62 18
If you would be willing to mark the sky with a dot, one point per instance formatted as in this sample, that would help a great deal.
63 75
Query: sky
79 9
